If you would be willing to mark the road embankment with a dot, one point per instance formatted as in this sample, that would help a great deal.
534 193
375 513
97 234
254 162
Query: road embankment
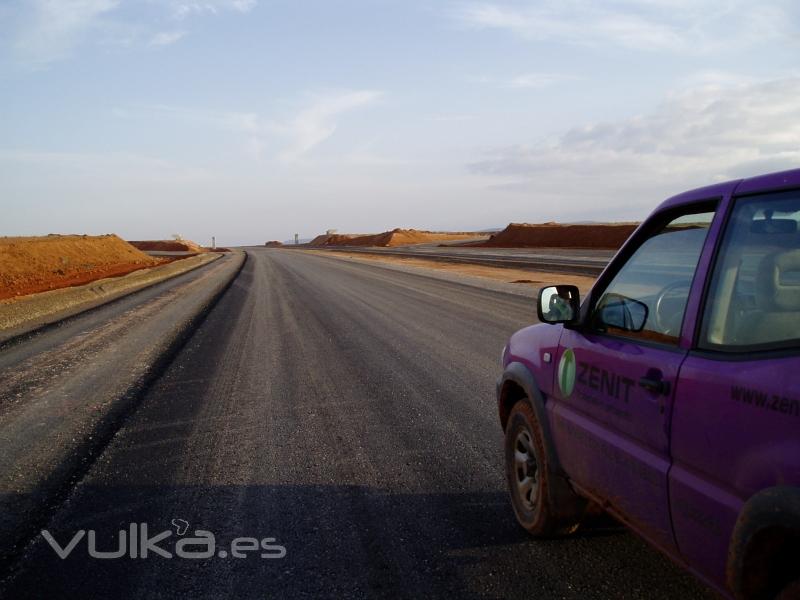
20 316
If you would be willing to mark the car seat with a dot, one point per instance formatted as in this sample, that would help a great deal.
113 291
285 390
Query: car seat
777 296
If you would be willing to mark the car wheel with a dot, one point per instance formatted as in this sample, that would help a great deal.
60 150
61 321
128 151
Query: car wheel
790 592
529 477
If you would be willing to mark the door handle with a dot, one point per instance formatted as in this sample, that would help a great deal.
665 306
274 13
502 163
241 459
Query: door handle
657 386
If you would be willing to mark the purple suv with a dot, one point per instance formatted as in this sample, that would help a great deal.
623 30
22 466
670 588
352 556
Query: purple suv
669 397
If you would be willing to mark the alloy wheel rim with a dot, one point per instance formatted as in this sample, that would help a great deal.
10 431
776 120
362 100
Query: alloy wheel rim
526 470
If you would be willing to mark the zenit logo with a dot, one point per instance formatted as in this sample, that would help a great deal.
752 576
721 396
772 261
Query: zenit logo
566 373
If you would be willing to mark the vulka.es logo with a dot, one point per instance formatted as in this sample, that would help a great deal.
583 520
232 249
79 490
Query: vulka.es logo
136 542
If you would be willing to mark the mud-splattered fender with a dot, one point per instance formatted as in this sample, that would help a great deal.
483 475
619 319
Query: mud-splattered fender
528 364
518 374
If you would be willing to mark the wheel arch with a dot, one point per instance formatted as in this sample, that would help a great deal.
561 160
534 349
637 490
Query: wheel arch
517 383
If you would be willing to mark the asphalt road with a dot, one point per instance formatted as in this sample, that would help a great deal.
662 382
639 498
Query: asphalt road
347 411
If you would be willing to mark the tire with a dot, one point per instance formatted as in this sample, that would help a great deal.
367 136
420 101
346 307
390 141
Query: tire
790 592
529 477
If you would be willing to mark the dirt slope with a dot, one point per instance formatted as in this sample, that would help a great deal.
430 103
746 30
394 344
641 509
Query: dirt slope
333 239
36 264
555 235
167 245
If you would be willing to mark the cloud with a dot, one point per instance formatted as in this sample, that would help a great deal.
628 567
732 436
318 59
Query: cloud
536 80
653 25
452 117
533 80
165 38
183 9
52 28
91 166
710 133
316 123
46 31
289 138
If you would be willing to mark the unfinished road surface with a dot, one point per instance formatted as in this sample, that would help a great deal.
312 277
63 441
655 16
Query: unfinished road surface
347 411
553 260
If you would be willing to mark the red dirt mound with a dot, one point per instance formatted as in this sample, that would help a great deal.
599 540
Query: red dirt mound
554 235
167 246
396 237
333 239
319 240
35 264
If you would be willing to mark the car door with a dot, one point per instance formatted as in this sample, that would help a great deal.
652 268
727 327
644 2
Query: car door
737 410
617 372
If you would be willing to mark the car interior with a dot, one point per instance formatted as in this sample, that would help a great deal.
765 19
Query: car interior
755 295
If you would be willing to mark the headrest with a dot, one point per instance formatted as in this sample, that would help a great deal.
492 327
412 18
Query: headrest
778 281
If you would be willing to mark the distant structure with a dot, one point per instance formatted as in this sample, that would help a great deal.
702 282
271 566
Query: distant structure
296 239
213 242
331 231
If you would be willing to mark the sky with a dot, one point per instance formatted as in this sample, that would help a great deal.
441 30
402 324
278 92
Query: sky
253 120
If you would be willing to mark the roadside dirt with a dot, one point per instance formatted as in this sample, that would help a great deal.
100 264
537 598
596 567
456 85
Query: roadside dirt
24 313
29 265
396 237
525 278
555 235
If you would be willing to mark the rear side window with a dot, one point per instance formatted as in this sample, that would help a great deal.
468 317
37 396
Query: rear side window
754 299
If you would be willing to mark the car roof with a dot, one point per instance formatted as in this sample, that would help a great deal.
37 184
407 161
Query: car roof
751 185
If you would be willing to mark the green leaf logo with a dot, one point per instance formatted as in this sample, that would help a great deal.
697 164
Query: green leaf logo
566 373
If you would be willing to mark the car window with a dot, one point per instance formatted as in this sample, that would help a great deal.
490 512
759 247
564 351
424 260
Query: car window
647 298
754 298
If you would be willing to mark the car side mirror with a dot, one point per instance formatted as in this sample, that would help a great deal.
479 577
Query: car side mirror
558 304
620 312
